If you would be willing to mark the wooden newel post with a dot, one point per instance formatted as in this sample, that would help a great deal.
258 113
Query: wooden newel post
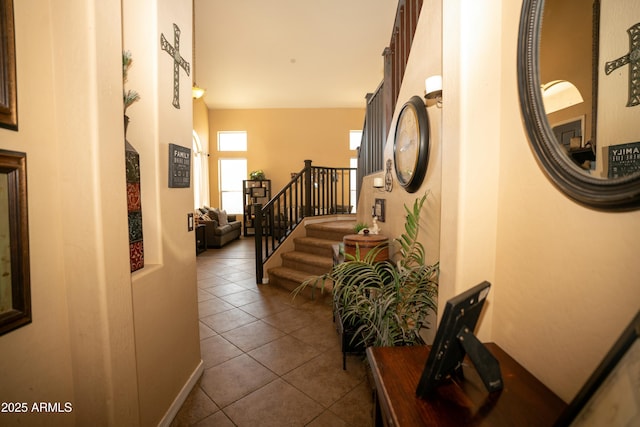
258 226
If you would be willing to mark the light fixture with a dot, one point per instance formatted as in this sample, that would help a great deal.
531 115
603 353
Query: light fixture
196 91
378 183
559 94
433 89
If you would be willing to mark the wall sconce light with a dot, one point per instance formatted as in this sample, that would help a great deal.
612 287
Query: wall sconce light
378 183
433 89
197 91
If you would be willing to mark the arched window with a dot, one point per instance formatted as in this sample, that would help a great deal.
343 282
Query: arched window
200 174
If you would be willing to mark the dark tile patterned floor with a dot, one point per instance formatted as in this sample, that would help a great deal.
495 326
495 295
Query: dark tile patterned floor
269 360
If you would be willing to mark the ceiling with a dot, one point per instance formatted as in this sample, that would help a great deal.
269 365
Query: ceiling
290 53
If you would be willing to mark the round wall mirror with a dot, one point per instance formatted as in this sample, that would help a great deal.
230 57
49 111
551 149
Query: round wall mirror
579 84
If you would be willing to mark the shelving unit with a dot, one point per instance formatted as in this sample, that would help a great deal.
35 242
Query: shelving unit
255 192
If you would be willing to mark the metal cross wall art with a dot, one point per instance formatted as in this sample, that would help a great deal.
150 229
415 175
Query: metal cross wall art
633 59
178 61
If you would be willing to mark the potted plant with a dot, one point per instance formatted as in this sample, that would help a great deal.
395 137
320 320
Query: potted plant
257 175
129 96
385 303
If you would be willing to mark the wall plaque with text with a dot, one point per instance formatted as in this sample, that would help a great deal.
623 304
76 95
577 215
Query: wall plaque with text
624 159
179 166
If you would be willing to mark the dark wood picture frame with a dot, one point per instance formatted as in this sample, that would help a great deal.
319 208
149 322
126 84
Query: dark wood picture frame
13 177
8 84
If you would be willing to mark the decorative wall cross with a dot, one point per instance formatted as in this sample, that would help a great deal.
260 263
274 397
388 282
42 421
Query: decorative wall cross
178 61
633 59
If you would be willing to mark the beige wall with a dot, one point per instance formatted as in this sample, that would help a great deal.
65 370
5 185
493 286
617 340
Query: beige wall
280 140
164 292
565 279
118 347
80 346
568 279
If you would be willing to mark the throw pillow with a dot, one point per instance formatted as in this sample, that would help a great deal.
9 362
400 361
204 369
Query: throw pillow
222 218
213 214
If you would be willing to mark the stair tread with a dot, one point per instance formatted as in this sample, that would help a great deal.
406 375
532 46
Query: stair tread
290 273
309 258
345 226
316 241
296 276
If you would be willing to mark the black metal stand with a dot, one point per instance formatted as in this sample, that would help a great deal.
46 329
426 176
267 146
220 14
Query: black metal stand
487 366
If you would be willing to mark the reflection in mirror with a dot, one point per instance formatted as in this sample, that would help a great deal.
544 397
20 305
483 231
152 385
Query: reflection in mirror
589 150
568 56
590 45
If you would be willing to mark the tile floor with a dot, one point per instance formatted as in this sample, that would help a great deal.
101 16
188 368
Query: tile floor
269 361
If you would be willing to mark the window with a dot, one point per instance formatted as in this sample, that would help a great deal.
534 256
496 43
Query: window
198 173
232 173
353 163
355 137
232 141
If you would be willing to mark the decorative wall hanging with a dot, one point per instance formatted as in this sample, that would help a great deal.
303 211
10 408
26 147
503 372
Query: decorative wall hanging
132 167
8 85
379 209
388 177
179 166
134 207
411 144
633 59
178 61
15 293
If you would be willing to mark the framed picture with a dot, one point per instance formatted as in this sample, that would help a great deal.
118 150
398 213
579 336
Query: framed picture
8 95
378 209
15 293
258 192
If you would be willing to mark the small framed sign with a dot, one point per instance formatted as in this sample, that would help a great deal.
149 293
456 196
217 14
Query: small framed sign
179 166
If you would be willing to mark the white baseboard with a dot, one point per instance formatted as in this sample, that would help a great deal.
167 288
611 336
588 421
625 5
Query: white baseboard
182 396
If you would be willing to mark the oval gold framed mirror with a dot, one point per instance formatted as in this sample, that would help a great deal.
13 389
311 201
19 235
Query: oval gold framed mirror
584 165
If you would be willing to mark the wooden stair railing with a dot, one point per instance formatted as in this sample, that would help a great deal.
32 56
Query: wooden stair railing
314 191
381 103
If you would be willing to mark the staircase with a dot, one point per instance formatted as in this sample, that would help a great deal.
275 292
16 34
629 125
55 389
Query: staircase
312 256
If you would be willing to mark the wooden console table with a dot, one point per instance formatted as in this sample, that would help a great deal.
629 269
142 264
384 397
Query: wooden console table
524 401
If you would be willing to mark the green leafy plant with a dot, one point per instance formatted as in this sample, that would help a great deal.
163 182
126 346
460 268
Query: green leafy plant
383 303
360 226
257 174
128 96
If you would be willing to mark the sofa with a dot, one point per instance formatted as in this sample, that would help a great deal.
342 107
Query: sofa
220 228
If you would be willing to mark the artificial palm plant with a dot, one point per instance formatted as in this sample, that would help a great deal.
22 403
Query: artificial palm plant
385 303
